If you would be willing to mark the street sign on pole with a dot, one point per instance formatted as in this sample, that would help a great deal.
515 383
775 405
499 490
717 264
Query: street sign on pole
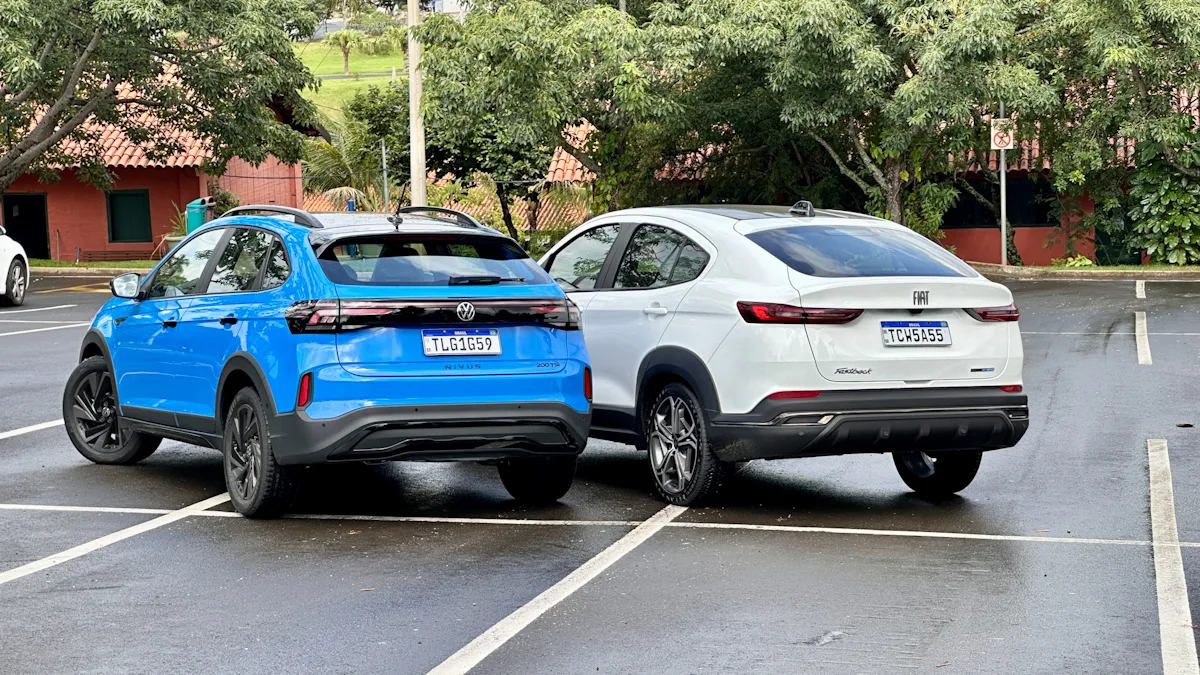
1003 137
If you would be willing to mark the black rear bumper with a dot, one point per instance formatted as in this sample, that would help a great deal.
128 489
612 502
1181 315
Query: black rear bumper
431 433
865 421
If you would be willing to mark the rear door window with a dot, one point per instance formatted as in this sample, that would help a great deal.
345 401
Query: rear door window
859 251
240 261
429 260
658 256
576 266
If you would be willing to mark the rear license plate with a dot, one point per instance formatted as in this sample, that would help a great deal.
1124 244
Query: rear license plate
459 342
915 333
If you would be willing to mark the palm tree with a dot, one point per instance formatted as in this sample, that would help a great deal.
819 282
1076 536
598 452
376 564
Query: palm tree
345 40
346 167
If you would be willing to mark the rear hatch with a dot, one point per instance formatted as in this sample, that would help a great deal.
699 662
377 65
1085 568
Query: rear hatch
446 304
925 315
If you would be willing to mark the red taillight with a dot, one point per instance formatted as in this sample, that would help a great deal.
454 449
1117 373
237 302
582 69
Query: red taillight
771 312
1011 388
304 395
1009 313
327 316
587 384
794 394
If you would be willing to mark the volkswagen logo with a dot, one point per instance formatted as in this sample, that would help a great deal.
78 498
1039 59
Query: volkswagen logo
465 311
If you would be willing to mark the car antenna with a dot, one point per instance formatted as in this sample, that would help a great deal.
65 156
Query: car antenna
395 219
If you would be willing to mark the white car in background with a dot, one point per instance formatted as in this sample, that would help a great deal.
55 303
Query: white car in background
720 334
14 265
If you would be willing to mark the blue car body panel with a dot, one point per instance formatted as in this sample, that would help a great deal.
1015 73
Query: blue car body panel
172 356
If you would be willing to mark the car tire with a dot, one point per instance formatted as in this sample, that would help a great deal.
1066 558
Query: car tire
14 284
537 480
90 413
938 475
258 486
685 468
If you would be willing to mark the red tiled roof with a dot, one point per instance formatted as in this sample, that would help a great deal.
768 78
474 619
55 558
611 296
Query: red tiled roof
120 152
564 168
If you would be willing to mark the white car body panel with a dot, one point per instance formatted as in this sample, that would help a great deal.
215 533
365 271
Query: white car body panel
750 361
10 249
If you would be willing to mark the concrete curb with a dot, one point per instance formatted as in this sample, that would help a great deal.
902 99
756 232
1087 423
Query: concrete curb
105 272
1013 273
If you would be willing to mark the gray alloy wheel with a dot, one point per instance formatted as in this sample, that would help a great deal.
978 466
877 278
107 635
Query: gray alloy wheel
245 453
674 446
14 288
92 418
685 468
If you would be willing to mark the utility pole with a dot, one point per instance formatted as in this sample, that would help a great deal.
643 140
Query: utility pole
1003 201
621 5
387 203
416 126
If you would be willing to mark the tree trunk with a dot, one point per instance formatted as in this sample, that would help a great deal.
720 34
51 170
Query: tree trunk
345 61
1014 257
895 207
505 212
535 204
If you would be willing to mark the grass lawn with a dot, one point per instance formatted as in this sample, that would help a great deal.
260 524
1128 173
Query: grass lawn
325 59
334 93
123 264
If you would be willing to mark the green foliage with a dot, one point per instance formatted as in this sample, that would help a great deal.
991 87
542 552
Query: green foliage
372 22
206 67
1166 205
1073 262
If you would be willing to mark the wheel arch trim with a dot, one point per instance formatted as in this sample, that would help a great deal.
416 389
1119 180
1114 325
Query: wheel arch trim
245 363
685 365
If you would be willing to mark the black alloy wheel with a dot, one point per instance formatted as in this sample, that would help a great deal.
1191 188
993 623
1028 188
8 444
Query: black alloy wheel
93 421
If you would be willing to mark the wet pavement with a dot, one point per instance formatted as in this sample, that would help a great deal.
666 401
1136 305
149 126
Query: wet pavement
1045 564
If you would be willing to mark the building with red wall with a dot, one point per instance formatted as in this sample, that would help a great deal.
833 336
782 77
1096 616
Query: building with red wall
71 220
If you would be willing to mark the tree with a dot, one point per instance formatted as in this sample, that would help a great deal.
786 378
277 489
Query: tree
345 41
552 74
890 89
347 166
152 69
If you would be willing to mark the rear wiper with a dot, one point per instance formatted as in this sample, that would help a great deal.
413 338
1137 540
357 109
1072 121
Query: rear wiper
481 280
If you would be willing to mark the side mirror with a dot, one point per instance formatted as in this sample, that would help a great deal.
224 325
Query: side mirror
126 285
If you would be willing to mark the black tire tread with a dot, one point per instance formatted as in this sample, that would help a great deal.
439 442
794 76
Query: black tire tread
540 480
954 471
8 299
278 485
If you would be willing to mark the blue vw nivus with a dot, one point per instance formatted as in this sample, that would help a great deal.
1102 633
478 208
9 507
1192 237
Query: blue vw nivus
298 338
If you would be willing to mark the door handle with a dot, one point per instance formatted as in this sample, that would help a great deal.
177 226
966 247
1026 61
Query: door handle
228 320
169 323
655 311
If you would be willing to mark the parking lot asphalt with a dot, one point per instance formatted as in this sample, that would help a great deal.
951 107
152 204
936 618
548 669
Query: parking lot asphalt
1058 558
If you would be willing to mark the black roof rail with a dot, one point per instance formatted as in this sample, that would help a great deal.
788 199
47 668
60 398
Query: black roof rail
464 219
301 216
802 208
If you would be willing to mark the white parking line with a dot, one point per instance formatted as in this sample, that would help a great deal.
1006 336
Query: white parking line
80 509
1139 289
35 309
45 322
120 535
30 429
478 649
1174 612
39 330
1143 340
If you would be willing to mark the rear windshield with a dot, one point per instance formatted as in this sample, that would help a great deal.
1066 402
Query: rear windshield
429 260
859 251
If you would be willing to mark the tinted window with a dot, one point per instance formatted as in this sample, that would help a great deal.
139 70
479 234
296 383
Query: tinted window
577 265
429 260
278 269
658 256
242 257
859 251
180 274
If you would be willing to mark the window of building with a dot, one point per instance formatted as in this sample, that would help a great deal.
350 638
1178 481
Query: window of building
129 216
1029 202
